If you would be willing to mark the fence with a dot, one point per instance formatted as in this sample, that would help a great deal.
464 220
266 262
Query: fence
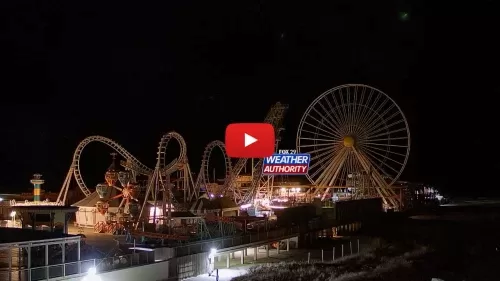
228 242
78 267
143 258
341 249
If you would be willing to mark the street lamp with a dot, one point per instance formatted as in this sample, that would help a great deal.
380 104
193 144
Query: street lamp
211 260
213 251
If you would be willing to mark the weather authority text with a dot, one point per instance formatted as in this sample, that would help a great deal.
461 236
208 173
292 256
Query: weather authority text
286 164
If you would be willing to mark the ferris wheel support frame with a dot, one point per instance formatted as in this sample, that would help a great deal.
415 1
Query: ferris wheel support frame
341 160
74 170
383 189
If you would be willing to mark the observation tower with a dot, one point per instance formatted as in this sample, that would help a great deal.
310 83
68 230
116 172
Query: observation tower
37 183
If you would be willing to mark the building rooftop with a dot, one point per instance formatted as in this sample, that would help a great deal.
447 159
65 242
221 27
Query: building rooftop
45 209
19 235
93 198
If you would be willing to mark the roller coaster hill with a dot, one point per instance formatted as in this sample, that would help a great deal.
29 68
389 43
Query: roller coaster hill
359 143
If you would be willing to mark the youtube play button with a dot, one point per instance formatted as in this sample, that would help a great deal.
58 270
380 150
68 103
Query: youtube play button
250 140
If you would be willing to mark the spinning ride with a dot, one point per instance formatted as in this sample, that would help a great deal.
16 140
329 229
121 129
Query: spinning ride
358 139
101 209
127 191
128 202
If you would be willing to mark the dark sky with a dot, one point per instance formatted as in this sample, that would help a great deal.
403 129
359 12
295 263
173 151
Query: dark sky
132 71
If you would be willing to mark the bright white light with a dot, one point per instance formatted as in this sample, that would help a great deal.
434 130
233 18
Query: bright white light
1 199
277 207
142 249
265 202
213 251
283 189
159 212
228 274
12 214
156 211
91 275
245 206
35 203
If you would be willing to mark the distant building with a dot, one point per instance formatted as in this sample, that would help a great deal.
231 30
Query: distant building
418 194
5 208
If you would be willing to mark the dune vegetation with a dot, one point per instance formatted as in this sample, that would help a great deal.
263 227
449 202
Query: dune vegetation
385 263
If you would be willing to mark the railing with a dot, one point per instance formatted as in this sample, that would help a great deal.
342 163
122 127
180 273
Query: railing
228 242
78 267
252 237
327 204
142 258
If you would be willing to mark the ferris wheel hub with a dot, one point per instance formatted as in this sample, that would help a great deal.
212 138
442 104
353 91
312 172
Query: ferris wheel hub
348 141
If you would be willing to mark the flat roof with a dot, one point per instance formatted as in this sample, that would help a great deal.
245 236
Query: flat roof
45 209
19 235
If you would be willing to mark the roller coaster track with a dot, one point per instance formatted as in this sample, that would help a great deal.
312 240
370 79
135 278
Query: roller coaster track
203 179
274 117
160 178
74 169
174 165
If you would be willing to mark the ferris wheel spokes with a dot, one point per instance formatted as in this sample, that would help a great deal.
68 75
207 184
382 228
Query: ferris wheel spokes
355 134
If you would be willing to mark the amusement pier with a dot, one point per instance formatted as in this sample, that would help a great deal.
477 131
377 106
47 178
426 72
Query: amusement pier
168 222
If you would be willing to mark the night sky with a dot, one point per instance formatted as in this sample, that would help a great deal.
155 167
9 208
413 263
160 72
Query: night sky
133 71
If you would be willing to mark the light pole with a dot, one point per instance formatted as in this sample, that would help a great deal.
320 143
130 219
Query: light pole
211 261
13 217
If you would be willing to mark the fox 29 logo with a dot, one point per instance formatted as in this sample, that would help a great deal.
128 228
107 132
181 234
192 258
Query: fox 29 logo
286 164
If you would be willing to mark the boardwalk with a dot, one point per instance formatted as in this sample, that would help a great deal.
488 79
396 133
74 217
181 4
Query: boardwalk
237 269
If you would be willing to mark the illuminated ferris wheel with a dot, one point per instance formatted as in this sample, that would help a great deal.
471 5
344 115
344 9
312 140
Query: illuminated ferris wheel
358 138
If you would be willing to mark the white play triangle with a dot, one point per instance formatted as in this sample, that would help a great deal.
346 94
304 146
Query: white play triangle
249 140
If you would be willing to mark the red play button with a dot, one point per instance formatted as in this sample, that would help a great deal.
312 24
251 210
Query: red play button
250 140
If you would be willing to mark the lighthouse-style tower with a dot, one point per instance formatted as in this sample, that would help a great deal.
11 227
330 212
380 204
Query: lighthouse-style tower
37 183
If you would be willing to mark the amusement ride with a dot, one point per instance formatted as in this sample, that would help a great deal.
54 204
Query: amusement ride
357 136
